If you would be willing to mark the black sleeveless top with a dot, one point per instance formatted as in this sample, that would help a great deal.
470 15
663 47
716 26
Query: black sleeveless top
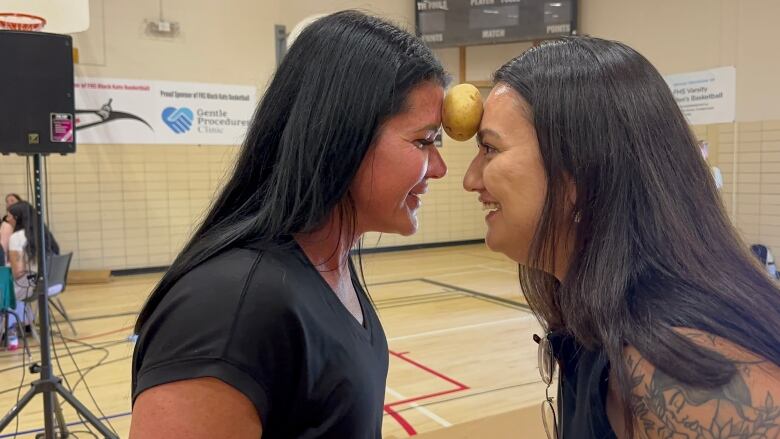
582 390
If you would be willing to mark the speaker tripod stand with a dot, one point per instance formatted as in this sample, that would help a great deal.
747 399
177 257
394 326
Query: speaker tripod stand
48 385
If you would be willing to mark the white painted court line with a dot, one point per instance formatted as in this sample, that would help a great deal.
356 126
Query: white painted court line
462 328
441 421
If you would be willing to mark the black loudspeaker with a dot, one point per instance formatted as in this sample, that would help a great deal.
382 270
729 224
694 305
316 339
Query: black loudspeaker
36 93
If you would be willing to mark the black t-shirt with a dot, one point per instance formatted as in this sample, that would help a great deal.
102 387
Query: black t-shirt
265 322
582 389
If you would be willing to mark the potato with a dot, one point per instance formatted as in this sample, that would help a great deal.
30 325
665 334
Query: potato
462 112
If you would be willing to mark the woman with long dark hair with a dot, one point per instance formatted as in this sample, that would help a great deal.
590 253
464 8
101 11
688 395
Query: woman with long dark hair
23 248
661 321
261 326
6 229
23 245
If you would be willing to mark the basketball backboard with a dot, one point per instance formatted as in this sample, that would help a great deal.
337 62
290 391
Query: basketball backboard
62 16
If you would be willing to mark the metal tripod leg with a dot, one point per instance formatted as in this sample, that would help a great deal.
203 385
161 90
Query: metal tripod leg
48 385
92 419
50 390
59 420
15 410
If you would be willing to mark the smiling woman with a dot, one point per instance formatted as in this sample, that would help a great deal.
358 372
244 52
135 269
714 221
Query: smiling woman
392 177
598 190
341 144
514 176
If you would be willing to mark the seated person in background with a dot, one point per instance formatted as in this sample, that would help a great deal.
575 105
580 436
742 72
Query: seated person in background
22 249
7 229
12 199
23 244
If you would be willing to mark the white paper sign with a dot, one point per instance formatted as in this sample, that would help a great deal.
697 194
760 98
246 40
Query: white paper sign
708 96
128 111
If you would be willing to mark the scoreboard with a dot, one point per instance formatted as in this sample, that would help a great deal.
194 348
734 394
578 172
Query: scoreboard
449 23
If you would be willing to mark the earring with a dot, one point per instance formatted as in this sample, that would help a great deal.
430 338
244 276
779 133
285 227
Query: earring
578 216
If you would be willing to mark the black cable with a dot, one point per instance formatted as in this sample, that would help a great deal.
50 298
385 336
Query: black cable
19 392
20 326
28 181
45 207
103 344
76 433
31 182
82 376
73 359
25 349
54 345
62 372
11 389
100 362
46 181
30 177
116 360
27 178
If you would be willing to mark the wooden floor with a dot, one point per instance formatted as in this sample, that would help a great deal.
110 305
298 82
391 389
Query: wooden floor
458 330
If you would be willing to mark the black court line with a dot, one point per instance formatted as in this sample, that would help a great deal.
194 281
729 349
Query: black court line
391 282
486 296
364 251
135 313
423 302
413 297
420 299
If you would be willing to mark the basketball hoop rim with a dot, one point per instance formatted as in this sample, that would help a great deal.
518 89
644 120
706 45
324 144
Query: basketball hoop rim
11 25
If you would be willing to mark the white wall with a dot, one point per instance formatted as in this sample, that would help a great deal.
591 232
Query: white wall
687 35
222 42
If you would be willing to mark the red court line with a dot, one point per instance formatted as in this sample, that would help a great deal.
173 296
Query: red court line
402 356
401 420
459 387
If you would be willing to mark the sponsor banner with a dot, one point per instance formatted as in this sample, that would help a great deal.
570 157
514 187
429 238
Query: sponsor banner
708 96
129 111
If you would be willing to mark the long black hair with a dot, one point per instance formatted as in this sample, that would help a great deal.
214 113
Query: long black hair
343 76
653 248
25 215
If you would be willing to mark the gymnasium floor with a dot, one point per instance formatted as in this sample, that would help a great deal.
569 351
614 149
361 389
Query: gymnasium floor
458 330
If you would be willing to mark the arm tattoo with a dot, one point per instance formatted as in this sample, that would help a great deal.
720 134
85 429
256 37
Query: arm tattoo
665 408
